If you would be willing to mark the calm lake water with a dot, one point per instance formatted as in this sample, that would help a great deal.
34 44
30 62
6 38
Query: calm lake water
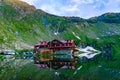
57 67
32 67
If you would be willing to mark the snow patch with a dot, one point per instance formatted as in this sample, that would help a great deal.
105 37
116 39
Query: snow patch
56 33
77 70
88 49
97 38
88 55
88 52
76 36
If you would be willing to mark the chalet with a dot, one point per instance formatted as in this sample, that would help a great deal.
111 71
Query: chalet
42 47
55 47
51 46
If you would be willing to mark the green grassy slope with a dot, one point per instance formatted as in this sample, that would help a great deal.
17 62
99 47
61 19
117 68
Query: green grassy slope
22 23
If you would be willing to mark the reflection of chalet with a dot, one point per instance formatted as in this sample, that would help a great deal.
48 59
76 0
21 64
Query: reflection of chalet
57 47
57 62
45 58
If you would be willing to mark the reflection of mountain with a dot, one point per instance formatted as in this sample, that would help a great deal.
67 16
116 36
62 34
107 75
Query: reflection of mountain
56 62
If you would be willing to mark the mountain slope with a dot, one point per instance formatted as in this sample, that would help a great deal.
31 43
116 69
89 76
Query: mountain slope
22 25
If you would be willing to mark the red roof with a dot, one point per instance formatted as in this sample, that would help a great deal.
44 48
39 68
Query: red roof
66 41
42 43
45 43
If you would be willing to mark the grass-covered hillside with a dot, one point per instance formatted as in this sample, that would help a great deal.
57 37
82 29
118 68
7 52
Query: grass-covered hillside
22 25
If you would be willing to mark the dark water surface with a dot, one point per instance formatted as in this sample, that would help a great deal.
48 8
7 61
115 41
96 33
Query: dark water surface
54 67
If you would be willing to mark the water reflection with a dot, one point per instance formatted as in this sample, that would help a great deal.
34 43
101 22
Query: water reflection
55 62
24 57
